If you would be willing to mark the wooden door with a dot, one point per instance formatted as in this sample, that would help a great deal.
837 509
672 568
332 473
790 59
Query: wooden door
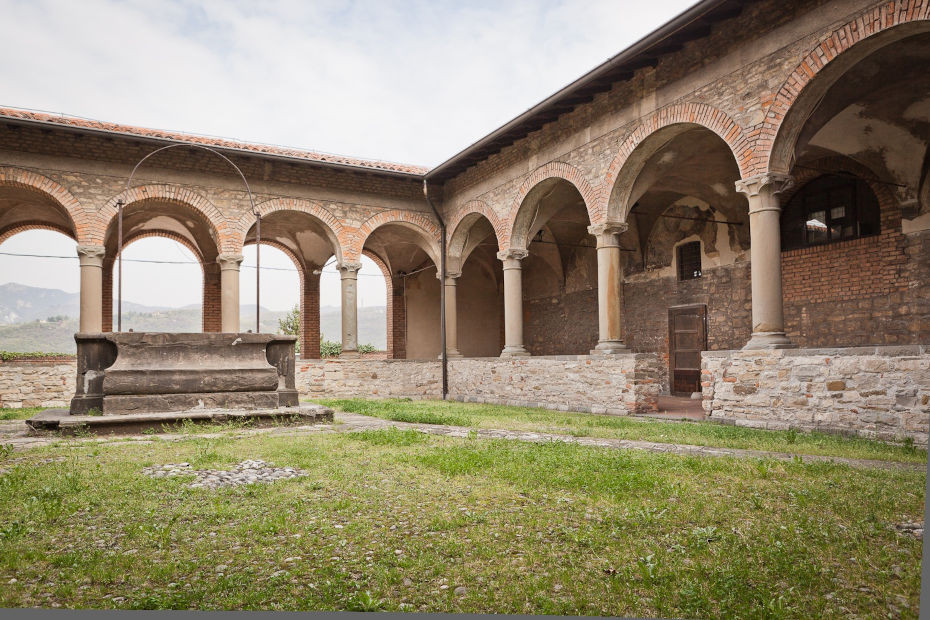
687 337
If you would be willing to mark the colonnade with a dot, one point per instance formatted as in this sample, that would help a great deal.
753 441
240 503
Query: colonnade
768 324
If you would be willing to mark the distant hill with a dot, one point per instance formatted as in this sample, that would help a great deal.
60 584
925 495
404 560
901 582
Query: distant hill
38 319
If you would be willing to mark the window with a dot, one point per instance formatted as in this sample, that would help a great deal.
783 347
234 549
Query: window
689 260
830 208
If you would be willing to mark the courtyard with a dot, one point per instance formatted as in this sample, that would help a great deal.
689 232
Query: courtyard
492 509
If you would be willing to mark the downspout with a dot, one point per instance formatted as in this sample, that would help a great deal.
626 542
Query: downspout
442 291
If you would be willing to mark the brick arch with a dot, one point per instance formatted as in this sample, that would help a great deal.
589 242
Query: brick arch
81 220
456 228
20 227
411 219
334 229
389 303
220 229
776 141
164 234
286 250
554 169
689 113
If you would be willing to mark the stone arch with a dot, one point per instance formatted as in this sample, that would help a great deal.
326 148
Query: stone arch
554 169
81 221
186 197
801 92
335 231
461 223
418 222
693 114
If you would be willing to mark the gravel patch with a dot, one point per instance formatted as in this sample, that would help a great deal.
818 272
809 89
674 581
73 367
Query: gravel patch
246 472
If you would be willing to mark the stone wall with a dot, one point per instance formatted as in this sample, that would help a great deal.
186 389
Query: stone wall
619 385
367 378
37 383
877 392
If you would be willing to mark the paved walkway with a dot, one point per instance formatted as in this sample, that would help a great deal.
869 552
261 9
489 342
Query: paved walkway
17 434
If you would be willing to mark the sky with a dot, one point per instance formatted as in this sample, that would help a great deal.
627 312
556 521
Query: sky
411 81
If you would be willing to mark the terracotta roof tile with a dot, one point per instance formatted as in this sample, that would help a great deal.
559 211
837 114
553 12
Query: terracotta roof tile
71 121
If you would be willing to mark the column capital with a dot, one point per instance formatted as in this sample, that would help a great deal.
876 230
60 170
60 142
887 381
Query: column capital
774 182
450 275
349 270
607 233
512 254
229 261
91 252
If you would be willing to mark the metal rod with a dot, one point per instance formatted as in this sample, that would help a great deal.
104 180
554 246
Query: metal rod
258 271
685 217
442 292
119 285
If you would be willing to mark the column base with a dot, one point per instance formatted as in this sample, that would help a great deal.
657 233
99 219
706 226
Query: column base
610 347
450 354
769 340
511 351
350 355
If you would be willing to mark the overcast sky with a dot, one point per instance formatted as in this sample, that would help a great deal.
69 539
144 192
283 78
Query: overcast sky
406 81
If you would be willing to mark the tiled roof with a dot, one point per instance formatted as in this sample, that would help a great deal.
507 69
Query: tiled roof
129 130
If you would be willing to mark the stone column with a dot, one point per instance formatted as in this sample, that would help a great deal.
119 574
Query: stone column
349 274
452 331
768 318
229 291
609 289
513 303
91 258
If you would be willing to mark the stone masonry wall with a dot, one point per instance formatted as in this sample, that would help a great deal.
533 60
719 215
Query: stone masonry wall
362 378
876 392
619 385
37 383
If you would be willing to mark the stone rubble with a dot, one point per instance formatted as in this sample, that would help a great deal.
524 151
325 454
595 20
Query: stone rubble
246 472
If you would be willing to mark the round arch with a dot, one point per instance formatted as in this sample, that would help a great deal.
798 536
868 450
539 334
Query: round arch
60 197
820 69
332 227
552 170
458 249
652 133
426 230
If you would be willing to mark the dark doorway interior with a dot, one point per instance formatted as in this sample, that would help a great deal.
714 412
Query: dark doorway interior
687 337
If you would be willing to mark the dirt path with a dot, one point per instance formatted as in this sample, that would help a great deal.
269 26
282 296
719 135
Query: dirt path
19 436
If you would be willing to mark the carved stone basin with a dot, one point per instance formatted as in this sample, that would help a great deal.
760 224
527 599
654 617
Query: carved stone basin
139 372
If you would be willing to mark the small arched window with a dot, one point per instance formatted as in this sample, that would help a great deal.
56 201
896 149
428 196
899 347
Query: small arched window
831 208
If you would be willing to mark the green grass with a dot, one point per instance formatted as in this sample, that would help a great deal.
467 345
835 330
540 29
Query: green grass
617 427
385 519
19 413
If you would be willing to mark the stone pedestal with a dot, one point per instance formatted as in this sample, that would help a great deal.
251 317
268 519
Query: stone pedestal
136 372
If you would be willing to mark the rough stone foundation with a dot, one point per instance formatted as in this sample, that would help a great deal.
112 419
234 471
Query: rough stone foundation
37 382
880 392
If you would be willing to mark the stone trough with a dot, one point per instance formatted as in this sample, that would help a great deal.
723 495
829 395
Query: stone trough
136 380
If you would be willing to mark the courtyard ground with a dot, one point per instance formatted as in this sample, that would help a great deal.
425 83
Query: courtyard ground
398 519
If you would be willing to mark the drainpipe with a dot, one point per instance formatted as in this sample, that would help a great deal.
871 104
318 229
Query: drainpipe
442 291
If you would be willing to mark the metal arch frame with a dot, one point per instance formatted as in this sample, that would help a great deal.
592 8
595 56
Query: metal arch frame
258 230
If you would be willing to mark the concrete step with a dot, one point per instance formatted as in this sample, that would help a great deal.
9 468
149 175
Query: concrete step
59 420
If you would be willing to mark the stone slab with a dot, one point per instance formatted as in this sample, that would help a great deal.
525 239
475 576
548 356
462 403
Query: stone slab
59 420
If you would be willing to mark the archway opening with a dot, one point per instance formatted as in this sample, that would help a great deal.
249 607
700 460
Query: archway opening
854 226
686 252
409 255
559 272
281 294
39 291
479 309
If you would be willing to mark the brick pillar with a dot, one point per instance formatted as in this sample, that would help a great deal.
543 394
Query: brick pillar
310 315
212 296
398 320
108 277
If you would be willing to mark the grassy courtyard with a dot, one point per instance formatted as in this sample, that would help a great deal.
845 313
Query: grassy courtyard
474 415
399 520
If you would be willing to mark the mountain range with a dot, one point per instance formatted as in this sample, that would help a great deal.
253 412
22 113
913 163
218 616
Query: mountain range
41 319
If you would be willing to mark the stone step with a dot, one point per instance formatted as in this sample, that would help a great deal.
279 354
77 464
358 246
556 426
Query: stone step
59 420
